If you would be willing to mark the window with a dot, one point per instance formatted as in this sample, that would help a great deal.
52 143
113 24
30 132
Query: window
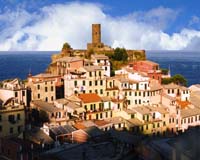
97 116
101 115
106 114
91 107
101 82
23 93
137 86
51 88
11 118
46 99
51 98
143 94
90 74
132 116
118 106
145 86
114 93
129 93
38 86
96 83
75 83
85 106
46 89
90 83
135 93
19 129
18 116
139 101
0 118
96 91
101 91
90 91
1 129
100 73
83 83
38 96
135 101
168 91
110 84
11 130
164 123
147 127
16 94
106 68
125 93
139 93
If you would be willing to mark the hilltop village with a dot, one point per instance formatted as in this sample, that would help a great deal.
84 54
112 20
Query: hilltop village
81 108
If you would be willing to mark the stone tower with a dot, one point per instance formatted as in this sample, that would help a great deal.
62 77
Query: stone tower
96 33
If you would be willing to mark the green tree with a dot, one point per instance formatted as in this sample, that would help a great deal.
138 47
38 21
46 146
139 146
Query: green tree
179 79
66 46
120 54
166 80
164 71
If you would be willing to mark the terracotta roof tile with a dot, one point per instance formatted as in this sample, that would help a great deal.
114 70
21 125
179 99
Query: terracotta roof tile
89 97
183 104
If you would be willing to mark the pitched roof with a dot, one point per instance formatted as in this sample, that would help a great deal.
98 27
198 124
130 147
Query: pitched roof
99 56
147 62
69 59
45 106
188 112
182 104
45 75
89 97
171 86
59 130
92 68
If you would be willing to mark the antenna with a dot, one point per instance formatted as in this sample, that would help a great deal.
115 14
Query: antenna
169 72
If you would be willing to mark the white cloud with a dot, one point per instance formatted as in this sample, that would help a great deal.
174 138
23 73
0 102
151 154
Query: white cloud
53 25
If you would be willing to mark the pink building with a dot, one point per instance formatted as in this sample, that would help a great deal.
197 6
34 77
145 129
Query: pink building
150 68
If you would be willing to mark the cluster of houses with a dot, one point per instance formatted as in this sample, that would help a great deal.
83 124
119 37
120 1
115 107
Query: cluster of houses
82 90
78 99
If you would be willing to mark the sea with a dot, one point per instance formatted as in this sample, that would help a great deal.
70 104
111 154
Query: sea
17 64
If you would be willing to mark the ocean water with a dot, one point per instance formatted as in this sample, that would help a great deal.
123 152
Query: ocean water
186 63
19 64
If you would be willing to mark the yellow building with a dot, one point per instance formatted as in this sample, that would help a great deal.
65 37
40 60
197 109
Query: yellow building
45 87
12 118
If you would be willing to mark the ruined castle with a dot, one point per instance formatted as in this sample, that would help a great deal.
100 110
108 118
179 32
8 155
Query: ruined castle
95 47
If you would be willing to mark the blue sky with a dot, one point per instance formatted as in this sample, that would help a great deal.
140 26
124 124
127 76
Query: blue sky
134 24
